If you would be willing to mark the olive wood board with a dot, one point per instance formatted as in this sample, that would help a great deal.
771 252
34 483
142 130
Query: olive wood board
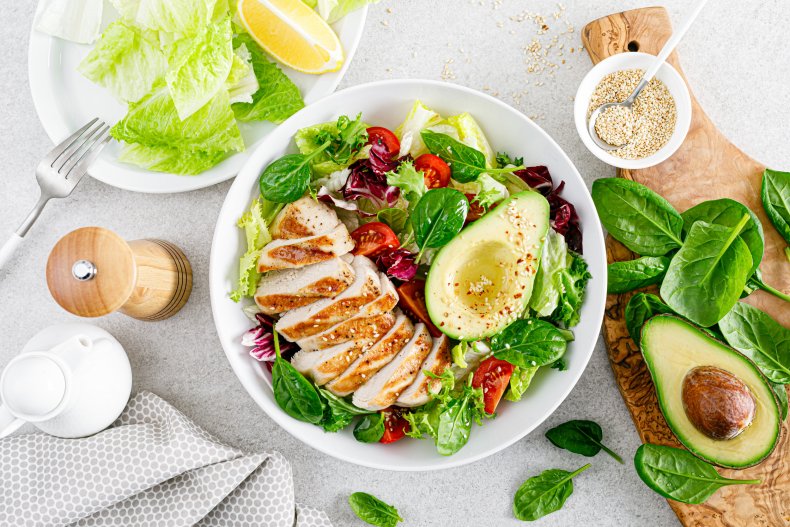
707 166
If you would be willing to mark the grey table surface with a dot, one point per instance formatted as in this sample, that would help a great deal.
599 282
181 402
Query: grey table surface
735 58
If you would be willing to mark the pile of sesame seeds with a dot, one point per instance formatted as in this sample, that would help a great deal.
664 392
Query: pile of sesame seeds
654 114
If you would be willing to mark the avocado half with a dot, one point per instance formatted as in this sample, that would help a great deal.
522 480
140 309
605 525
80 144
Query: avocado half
714 399
482 280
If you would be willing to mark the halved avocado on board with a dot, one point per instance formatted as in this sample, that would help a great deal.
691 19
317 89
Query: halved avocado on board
482 280
714 399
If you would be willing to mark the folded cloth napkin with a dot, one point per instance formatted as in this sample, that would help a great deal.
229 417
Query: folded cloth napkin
153 467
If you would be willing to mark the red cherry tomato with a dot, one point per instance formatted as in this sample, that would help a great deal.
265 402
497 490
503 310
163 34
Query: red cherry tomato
435 171
395 425
412 300
493 375
476 211
384 142
373 239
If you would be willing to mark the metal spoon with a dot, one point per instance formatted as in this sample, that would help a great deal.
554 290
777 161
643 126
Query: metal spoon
668 48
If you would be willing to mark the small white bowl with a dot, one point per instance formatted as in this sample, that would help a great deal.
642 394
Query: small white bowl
666 74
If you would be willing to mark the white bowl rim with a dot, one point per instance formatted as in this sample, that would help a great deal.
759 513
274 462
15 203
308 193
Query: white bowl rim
681 126
592 231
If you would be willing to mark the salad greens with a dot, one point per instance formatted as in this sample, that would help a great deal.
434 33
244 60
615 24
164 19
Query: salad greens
775 195
529 343
580 437
293 392
544 494
373 511
679 475
286 179
466 162
370 428
255 223
781 397
634 274
438 217
640 308
520 381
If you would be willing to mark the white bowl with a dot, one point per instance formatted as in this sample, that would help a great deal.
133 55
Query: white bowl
666 74
387 104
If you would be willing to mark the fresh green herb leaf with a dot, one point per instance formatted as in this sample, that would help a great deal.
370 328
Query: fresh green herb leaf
642 307
438 217
580 437
373 511
529 343
775 195
634 274
544 494
761 338
520 381
503 160
637 217
348 138
395 218
677 474
755 282
781 397
708 274
293 392
286 179
338 412
370 428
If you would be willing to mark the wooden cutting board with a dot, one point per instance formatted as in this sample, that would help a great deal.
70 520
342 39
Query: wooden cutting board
706 166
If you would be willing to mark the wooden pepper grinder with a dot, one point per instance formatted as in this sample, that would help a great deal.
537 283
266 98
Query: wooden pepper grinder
92 272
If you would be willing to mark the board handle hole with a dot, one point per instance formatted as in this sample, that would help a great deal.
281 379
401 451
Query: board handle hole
633 46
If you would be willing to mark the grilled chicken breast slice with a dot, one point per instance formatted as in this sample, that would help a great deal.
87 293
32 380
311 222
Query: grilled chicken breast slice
386 386
354 328
356 325
302 218
375 358
280 291
420 390
323 314
300 252
324 365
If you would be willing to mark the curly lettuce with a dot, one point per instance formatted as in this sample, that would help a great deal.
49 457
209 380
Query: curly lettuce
255 222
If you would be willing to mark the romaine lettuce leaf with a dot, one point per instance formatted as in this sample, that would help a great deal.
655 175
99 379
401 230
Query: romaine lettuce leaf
548 282
153 121
519 382
464 128
182 17
491 191
172 160
419 118
334 10
255 223
126 60
73 20
277 98
241 82
199 67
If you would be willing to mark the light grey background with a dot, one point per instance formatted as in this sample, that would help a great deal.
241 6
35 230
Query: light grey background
736 62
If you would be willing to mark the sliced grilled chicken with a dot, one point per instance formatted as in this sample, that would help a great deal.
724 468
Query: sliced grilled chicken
324 365
356 325
323 314
439 359
280 291
302 218
375 358
300 252
384 388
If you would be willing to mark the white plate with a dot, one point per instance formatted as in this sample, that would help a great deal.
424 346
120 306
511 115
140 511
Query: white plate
65 100
387 104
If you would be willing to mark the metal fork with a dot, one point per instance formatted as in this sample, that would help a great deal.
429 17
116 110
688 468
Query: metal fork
59 172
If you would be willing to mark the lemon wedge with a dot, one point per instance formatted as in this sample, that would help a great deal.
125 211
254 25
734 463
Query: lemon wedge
293 34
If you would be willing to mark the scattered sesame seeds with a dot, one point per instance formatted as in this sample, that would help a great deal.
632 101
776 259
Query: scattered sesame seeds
615 125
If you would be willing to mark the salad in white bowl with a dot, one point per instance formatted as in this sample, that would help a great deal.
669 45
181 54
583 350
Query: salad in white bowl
403 282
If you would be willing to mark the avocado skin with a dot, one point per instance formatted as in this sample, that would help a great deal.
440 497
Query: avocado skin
758 440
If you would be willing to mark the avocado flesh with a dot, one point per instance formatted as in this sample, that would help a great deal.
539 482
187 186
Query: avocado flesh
673 347
482 280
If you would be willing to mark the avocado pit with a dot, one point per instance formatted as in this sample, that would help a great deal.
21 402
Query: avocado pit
717 403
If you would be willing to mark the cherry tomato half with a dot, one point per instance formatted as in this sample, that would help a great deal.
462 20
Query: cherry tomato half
476 211
493 375
395 425
373 239
435 171
412 300
384 142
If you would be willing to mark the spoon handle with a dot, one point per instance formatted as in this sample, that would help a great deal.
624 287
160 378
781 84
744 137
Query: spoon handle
673 41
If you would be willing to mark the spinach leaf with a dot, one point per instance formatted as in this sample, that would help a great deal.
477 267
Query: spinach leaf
637 217
708 274
455 420
679 475
527 343
775 194
781 397
761 338
465 162
286 179
293 392
338 413
580 437
633 274
370 428
755 282
438 217
729 213
544 494
373 511
640 308
395 218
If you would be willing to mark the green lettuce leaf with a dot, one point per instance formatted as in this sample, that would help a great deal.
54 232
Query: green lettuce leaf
309 139
491 191
171 160
241 82
519 382
419 118
334 10
181 17
277 98
548 282
574 280
154 122
255 223
199 67
126 60
409 180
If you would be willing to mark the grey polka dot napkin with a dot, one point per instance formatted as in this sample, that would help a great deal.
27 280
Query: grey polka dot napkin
152 468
